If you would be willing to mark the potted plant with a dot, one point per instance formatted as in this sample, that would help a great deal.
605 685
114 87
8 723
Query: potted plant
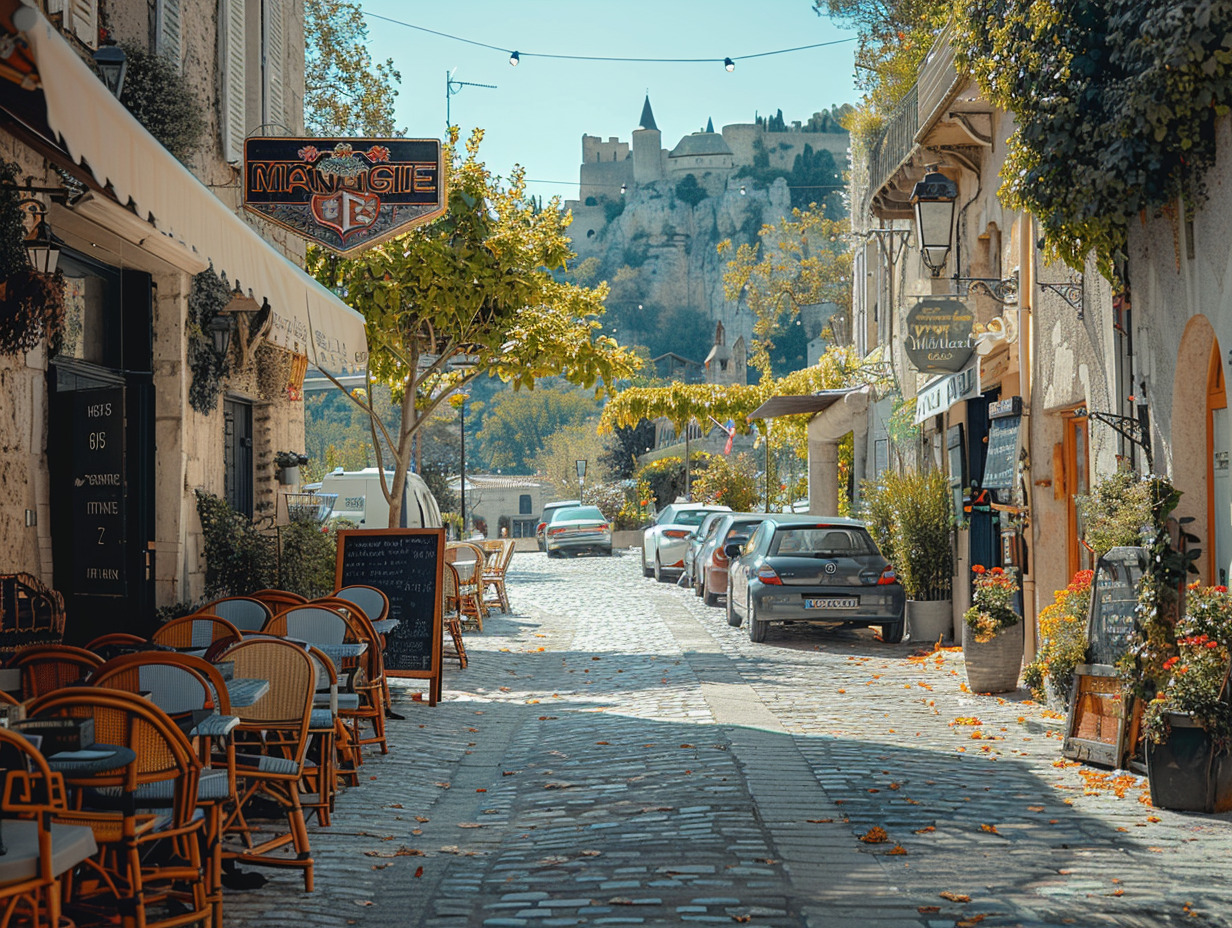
1188 725
1063 630
911 514
993 632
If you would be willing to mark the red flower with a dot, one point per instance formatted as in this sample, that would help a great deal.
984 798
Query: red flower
1170 663
1212 645
1221 589
997 571
977 568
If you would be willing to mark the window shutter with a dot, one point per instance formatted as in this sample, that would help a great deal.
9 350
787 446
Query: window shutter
169 44
80 19
273 56
232 117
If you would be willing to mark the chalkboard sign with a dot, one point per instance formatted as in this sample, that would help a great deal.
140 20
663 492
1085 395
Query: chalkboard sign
405 564
1001 465
96 498
1114 602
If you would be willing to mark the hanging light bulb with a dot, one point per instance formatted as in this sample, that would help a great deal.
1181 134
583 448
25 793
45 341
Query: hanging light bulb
743 191
623 188
729 65
514 58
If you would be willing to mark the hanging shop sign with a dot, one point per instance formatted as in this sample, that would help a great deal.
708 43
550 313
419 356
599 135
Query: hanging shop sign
939 335
344 194
943 393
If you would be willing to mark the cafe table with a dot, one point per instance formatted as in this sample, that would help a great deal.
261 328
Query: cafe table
97 758
246 691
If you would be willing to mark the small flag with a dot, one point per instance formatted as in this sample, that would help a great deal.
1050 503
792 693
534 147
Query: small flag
731 434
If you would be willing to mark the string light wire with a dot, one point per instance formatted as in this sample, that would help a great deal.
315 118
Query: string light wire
522 54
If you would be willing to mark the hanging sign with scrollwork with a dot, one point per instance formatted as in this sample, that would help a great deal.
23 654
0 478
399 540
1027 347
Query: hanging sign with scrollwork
939 336
344 193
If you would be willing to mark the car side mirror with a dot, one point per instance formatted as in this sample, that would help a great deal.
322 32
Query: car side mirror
734 549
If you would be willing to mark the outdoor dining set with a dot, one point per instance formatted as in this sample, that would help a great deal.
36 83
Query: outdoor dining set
140 774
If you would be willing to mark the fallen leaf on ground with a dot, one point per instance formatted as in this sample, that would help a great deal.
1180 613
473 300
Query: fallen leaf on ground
364 902
418 872
897 850
990 829
926 829
875 835
928 909
953 897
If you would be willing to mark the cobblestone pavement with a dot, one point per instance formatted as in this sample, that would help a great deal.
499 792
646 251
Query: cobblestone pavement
617 755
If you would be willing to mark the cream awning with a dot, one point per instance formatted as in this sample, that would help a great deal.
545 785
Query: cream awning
100 133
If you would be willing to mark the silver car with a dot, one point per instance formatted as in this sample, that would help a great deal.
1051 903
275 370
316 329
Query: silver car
581 528
712 562
697 539
812 569
665 542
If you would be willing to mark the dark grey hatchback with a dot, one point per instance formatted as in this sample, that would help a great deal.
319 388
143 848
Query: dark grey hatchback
796 568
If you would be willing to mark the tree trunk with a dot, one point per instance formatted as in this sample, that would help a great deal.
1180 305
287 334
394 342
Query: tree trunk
402 456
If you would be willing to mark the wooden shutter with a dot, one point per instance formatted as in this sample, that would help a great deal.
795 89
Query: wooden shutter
80 19
232 117
273 62
169 44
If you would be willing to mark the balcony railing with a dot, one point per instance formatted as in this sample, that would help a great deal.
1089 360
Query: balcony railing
938 75
896 142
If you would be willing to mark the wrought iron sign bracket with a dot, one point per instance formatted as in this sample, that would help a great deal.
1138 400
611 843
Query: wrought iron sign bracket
1003 290
1070 291
1135 430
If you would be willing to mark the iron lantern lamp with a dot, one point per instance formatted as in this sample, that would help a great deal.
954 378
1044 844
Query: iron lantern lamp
932 199
581 472
112 66
41 250
220 330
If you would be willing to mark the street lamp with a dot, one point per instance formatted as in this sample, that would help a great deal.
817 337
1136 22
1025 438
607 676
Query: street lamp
452 87
41 249
112 66
463 364
581 472
933 201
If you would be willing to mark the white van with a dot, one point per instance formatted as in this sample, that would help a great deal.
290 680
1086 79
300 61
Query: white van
361 500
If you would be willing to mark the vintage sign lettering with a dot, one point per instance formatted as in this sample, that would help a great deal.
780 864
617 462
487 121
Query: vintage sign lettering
344 193
939 335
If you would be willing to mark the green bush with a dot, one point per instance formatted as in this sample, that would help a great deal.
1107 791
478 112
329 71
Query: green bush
1115 512
920 532
307 558
728 481
665 477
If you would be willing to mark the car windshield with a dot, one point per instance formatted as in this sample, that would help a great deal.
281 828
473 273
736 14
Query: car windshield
690 516
578 513
821 541
742 528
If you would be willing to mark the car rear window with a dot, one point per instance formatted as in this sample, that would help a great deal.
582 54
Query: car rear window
743 528
821 541
691 516
582 512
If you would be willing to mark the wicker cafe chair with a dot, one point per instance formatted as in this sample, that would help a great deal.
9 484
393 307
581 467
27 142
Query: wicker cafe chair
192 692
368 679
499 554
374 602
451 622
272 742
278 600
47 667
470 602
39 850
114 804
116 641
244 612
199 632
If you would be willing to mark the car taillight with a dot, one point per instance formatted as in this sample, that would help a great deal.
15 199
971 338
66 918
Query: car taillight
718 559
766 574
888 576
556 531
541 526
675 533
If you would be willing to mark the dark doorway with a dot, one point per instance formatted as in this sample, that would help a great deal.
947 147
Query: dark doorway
983 520
237 449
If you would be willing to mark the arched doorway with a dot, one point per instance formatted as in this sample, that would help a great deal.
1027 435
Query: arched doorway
1218 478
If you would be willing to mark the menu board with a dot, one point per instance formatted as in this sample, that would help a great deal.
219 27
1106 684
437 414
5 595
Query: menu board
405 564
1001 464
97 492
1114 604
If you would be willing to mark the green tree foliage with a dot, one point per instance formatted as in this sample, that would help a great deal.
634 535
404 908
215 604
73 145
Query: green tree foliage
475 286
519 424
815 180
728 481
624 445
345 92
1115 105
688 190
562 450
802 260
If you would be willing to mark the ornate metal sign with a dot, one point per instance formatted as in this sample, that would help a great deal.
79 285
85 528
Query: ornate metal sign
939 336
344 194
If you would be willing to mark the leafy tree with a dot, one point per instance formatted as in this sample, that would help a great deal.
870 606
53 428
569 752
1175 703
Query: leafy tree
561 452
625 444
471 293
520 423
345 92
802 260
688 190
728 481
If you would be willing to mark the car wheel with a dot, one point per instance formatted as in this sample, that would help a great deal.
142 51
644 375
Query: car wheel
732 619
710 599
646 571
659 576
606 552
757 628
893 634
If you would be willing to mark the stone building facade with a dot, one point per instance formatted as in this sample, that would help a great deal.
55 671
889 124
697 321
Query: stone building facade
133 226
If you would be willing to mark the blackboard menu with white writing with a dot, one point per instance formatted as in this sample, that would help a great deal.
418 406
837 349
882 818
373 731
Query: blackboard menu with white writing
97 494
1114 604
1001 464
405 564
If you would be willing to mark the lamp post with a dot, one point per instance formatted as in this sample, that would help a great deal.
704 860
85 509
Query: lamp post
581 472
452 87
933 201
462 485
112 66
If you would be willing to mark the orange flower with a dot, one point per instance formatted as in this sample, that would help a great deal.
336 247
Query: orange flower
977 568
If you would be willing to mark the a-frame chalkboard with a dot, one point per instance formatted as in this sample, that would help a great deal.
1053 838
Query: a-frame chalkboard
405 564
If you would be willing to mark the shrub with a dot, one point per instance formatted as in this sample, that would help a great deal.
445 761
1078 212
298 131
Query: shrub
728 481
1115 512
238 557
920 532
307 558
1063 628
665 477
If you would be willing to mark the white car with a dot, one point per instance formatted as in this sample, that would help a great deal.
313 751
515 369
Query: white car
664 544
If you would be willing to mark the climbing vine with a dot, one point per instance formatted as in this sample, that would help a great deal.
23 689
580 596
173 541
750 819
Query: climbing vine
1115 103
207 298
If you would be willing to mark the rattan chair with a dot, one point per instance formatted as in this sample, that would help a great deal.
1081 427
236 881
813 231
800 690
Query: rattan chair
47 667
470 598
115 642
278 600
374 602
272 741
39 851
244 612
199 632
499 554
152 890
451 622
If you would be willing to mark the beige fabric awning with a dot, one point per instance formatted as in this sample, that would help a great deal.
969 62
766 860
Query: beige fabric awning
99 132
798 405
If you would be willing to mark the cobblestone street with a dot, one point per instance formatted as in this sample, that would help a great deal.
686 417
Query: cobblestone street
616 754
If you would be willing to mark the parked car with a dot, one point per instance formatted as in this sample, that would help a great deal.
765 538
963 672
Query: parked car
712 562
577 529
548 509
796 568
664 543
696 539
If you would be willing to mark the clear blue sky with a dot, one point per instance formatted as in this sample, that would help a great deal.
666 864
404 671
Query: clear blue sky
537 115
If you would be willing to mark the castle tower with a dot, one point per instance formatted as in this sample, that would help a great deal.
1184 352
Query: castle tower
647 148
726 365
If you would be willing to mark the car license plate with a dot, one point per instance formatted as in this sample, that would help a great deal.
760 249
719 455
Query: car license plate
833 602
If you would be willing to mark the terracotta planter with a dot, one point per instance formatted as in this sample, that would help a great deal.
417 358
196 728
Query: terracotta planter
929 620
994 666
1186 773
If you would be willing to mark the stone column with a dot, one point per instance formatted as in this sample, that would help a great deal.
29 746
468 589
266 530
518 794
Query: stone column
825 430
